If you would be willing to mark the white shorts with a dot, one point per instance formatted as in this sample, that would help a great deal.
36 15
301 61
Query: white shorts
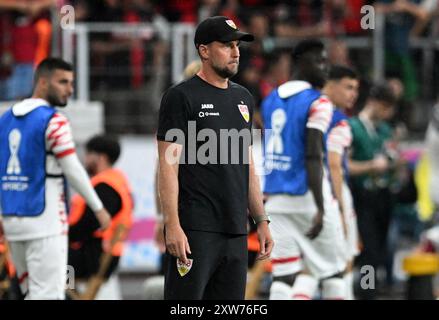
432 235
294 251
350 216
41 266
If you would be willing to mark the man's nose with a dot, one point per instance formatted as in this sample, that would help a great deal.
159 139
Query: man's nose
235 52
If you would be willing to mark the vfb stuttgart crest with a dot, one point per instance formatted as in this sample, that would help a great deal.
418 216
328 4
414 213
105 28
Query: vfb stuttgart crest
231 23
244 111
184 268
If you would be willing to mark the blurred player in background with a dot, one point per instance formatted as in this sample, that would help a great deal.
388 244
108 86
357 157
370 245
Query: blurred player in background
342 89
370 164
38 154
305 225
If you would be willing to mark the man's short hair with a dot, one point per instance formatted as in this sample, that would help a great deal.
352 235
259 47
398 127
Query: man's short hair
338 72
104 144
306 46
49 65
383 93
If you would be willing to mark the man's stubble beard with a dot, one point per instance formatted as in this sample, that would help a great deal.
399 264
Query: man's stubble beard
53 99
225 73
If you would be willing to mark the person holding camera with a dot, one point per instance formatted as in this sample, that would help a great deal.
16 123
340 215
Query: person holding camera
370 167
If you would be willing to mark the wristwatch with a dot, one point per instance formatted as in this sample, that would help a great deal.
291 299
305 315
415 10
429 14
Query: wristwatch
262 217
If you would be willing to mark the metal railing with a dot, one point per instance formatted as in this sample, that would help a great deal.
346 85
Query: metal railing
76 46
183 51
81 33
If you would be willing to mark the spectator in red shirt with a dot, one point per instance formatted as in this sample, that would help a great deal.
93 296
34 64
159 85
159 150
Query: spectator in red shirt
28 39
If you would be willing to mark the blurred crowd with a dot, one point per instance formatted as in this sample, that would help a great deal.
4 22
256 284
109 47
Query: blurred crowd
26 33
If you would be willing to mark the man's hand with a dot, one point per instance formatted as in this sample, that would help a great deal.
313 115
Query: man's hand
104 218
265 241
380 164
317 226
176 241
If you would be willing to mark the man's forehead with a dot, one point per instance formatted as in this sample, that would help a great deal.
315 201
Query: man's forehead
60 73
349 80
225 43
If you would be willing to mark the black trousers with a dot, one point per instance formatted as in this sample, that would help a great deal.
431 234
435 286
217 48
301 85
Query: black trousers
374 210
218 272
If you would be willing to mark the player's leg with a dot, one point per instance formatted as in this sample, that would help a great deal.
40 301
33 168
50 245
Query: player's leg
368 227
349 281
305 287
228 282
306 283
334 288
352 241
18 253
190 285
324 255
47 264
286 256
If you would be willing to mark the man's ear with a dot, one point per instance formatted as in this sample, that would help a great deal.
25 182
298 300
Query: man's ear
43 83
204 51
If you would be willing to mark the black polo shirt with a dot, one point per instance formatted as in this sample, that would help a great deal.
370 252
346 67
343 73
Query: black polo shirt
213 174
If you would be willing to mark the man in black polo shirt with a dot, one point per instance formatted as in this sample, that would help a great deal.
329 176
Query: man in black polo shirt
206 173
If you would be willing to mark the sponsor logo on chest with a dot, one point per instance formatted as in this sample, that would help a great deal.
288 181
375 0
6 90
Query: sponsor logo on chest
207 106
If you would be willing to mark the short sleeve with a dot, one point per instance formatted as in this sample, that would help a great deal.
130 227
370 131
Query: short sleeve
173 116
59 136
320 114
339 138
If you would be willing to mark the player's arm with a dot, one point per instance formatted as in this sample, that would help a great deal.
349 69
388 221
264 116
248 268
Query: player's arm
357 168
159 236
339 139
176 241
377 165
77 177
319 117
335 161
173 116
257 211
88 224
314 168
60 141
